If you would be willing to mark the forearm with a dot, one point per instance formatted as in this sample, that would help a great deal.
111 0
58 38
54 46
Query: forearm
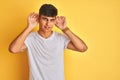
76 41
18 43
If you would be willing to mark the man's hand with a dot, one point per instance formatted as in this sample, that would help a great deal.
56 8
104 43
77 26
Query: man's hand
33 19
61 22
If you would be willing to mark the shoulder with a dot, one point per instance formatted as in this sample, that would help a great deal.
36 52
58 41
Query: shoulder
60 35
32 34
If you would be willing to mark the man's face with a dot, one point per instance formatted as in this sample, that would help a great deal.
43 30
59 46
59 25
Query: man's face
46 23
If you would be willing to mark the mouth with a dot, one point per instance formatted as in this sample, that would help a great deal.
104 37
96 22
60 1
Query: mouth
47 27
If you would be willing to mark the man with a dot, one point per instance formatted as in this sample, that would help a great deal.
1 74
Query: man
46 47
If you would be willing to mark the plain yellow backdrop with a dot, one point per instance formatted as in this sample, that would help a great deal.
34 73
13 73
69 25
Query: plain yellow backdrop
97 22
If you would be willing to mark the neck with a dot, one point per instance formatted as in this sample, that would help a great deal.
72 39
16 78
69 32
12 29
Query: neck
45 34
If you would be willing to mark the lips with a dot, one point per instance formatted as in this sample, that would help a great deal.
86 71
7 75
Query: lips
47 27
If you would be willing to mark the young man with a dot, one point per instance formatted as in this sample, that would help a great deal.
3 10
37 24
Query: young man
46 47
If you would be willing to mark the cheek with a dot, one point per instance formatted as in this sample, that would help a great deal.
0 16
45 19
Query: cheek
53 23
41 23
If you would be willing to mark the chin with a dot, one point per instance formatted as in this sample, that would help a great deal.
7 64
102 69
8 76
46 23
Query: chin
47 30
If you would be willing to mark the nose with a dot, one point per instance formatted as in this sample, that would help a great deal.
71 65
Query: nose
48 23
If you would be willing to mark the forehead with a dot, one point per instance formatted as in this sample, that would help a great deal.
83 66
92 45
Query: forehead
47 17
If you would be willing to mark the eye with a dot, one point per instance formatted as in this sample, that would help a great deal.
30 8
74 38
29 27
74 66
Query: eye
45 19
52 20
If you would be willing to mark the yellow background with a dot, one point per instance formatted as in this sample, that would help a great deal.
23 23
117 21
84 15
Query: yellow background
97 22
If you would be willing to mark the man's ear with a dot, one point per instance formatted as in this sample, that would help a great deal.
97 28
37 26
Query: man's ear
38 18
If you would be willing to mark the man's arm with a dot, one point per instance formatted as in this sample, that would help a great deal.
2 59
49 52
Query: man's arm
75 42
18 45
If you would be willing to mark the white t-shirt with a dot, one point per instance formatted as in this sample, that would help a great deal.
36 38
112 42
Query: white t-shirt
46 56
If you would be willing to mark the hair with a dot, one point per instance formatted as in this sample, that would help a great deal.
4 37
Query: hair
48 10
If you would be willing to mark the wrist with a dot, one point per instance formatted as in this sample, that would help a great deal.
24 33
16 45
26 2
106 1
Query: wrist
65 29
29 28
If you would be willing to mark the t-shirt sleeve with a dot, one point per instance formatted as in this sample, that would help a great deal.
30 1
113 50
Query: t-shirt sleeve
66 40
27 40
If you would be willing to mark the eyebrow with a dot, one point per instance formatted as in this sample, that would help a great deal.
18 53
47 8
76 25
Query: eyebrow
44 18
